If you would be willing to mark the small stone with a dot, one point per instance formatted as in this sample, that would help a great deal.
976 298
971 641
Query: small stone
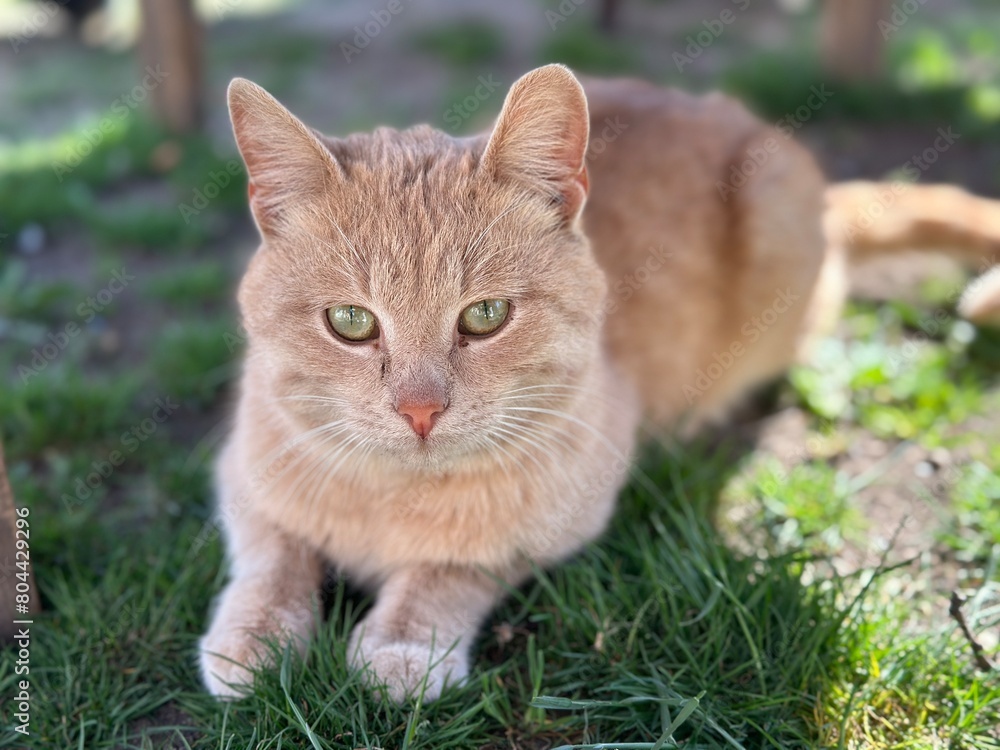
924 470
941 456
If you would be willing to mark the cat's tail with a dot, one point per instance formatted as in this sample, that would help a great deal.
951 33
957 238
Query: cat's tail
876 218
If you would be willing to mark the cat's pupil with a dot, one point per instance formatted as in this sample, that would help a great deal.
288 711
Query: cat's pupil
483 317
353 323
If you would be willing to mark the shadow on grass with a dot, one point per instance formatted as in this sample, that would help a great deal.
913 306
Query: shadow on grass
663 611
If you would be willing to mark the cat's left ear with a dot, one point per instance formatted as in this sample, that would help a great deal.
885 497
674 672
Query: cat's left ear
285 160
541 137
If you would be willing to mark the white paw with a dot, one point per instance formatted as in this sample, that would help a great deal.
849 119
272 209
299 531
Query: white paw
401 671
236 644
226 663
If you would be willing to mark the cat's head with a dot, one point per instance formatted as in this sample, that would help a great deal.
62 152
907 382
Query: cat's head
414 290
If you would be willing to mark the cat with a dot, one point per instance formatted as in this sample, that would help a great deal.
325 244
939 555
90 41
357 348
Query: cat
452 342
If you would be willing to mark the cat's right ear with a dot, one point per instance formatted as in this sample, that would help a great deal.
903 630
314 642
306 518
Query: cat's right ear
284 159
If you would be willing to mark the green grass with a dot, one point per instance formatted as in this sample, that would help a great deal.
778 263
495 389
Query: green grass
47 301
662 631
915 691
462 44
585 49
191 287
193 362
935 74
809 504
69 180
618 642
902 381
710 615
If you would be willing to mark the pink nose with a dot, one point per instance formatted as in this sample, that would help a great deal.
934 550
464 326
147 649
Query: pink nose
421 416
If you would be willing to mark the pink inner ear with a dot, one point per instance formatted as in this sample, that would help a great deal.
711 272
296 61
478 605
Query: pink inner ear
575 192
584 180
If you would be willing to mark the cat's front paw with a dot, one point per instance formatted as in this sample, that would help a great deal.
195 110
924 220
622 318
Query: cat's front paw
403 670
398 671
226 663
238 641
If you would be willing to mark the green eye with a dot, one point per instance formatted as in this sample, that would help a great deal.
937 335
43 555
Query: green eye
352 322
484 317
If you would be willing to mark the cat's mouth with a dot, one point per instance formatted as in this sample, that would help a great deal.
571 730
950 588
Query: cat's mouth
439 451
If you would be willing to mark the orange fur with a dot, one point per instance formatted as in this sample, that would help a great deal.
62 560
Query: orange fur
658 297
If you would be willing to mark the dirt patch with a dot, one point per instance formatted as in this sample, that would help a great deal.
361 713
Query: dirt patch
901 492
166 729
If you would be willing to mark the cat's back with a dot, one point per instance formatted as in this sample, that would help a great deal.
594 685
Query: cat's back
699 213
622 105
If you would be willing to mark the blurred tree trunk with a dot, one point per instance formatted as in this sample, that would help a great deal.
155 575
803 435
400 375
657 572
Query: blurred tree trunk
8 568
851 42
610 13
170 48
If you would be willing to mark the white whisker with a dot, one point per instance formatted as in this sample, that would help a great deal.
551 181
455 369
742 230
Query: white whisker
634 470
557 461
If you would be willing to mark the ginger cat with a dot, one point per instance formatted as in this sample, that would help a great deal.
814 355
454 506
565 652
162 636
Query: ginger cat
452 342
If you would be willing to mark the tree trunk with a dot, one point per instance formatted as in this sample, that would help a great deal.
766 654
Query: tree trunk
610 13
170 48
851 41
8 561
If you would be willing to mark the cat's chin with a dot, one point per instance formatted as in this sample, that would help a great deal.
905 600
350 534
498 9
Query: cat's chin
436 456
